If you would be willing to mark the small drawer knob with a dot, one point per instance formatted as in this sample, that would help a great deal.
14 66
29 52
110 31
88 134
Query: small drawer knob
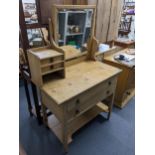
108 92
128 93
109 82
77 101
77 111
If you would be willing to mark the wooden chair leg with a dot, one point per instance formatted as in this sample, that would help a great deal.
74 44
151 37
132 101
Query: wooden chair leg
28 97
36 103
44 114
109 114
110 106
65 138
65 131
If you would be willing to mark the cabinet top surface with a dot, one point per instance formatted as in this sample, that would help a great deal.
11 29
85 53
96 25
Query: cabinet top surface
46 53
110 57
79 78
125 41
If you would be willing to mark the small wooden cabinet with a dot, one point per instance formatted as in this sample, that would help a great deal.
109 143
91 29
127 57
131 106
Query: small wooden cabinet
125 89
45 61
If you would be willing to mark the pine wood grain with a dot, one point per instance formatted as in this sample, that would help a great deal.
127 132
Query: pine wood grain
88 74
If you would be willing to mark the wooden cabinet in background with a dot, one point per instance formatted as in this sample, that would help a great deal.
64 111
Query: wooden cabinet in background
125 89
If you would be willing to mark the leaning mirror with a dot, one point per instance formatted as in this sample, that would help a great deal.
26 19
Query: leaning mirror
72 27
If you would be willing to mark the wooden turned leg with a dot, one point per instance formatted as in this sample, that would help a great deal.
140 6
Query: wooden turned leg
65 137
44 114
36 103
28 97
110 106
109 114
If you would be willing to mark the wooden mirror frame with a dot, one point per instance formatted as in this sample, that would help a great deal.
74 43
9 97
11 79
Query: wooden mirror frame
56 8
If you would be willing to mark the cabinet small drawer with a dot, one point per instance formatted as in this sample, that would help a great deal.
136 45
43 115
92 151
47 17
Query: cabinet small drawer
88 99
59 65
127 93
47 61
58 58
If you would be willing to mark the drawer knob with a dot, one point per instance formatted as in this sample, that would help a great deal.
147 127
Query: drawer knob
128 93
77 111
109 83
77 101
108 92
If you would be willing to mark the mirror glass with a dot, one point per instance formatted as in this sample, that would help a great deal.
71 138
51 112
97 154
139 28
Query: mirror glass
30 11
74 27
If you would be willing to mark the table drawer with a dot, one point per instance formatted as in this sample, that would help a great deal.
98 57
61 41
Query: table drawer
86 100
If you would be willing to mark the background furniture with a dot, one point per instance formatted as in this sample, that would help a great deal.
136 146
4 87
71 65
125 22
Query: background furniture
22 68
125 26
129 4
36 109
125 89
25 71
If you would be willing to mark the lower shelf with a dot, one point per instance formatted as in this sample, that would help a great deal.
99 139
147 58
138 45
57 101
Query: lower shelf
77 123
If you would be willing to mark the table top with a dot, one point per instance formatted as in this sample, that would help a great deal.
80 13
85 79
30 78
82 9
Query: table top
70 51
45 53
125 41
79 78
110 57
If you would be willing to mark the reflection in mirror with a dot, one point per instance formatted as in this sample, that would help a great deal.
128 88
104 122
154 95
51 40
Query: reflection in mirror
73 27
37 37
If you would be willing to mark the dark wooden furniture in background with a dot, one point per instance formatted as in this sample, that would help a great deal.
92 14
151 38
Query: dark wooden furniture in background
125 27
26 75
23 67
